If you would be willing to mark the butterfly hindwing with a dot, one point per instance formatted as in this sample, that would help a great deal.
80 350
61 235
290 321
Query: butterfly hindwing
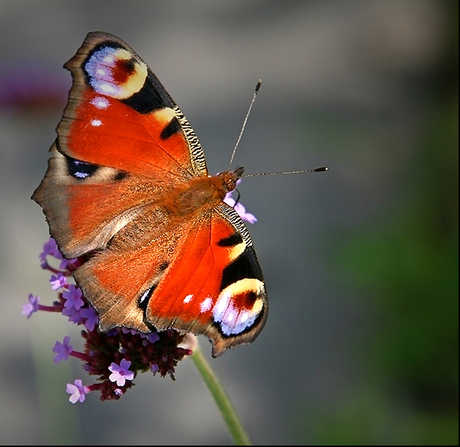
215 286
212 285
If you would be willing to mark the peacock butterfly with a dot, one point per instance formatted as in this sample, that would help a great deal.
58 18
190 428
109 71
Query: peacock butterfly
127 182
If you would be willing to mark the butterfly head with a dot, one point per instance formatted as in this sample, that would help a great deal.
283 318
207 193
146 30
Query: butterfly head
229 179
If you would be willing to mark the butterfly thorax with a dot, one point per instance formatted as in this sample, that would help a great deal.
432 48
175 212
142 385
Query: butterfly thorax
201 192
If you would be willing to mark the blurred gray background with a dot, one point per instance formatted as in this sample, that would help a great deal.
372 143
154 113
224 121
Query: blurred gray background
361 345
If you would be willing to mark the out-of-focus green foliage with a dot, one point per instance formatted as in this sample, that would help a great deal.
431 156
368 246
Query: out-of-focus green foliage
405 263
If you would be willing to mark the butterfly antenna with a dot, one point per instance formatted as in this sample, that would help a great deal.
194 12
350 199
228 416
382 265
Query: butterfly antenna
256 90
322 169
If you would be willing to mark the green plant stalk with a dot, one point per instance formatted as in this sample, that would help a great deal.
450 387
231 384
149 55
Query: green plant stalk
235 427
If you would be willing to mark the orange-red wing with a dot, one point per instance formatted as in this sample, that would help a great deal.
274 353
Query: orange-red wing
122 143
119 115
202 276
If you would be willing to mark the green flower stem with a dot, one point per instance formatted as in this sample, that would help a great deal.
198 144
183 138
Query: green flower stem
235 427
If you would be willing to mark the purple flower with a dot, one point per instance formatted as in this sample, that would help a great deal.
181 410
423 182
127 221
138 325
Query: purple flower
112 332
90 316
248 217
121 373
31 307
240 209
73 298
152 337
159 351
126 330
58 282
77 391
74 315
62 350
65 263
49 249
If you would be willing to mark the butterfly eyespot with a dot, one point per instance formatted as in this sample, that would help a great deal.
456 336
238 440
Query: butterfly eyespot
239 306
112 71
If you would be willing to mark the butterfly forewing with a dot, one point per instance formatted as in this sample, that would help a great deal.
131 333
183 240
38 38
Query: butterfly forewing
120 115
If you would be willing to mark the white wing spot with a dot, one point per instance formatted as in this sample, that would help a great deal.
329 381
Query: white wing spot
229 316
100 102
96 123
206 305
109 59
244 317
188 298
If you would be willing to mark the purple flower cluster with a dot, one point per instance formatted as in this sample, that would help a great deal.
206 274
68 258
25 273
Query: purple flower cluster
114 357
118 355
